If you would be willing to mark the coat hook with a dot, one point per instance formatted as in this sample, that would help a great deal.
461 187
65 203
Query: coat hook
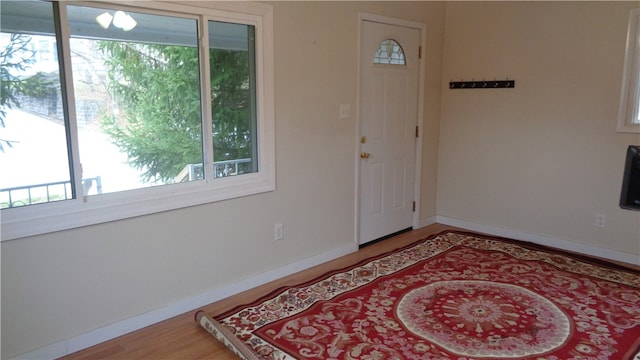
473 84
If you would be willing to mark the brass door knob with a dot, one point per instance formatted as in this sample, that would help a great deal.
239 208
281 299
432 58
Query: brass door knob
364 155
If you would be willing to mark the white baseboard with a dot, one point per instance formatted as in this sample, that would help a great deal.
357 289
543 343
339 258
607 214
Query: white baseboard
542 240
123 327
426 222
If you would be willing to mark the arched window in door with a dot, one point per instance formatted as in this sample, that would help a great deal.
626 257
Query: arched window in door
389 52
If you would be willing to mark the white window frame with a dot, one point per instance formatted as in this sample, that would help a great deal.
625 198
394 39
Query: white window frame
630 93
88 210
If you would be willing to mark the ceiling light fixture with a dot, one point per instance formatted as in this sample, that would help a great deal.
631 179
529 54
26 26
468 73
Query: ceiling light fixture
121 20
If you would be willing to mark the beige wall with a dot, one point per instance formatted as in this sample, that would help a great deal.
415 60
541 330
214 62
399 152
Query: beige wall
61 285
543 158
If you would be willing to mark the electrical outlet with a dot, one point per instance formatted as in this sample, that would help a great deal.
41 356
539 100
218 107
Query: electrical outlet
601 220
278 232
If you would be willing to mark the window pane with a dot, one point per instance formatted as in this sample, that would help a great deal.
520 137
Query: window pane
232 63
389 52
629 111
33 142
136 79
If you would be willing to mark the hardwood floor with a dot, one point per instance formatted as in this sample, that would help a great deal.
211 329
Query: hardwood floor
181 338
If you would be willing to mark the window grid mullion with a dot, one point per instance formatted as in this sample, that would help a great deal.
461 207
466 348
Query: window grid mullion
63 36
205 86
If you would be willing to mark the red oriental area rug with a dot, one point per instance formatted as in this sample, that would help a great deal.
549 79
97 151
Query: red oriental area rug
452 296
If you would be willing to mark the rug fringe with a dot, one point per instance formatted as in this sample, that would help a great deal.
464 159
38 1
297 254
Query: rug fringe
225 336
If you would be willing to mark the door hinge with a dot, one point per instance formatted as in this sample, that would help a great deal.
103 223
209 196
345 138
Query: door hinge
417 131
414 206
419 52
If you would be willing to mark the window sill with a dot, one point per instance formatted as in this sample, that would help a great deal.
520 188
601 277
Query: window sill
630 129
91 210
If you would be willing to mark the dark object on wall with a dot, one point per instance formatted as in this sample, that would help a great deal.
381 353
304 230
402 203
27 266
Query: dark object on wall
496 84
630 195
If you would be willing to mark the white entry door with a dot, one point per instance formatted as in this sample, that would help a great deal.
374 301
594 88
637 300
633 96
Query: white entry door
389 75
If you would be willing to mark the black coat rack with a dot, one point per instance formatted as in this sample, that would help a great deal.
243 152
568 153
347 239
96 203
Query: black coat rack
495 84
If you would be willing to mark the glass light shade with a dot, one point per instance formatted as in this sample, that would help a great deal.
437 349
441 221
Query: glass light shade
123 21
104 20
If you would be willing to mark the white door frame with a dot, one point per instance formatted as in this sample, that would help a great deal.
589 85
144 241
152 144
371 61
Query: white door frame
420 113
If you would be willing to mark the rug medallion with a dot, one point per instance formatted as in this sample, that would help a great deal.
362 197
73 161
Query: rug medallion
483 318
